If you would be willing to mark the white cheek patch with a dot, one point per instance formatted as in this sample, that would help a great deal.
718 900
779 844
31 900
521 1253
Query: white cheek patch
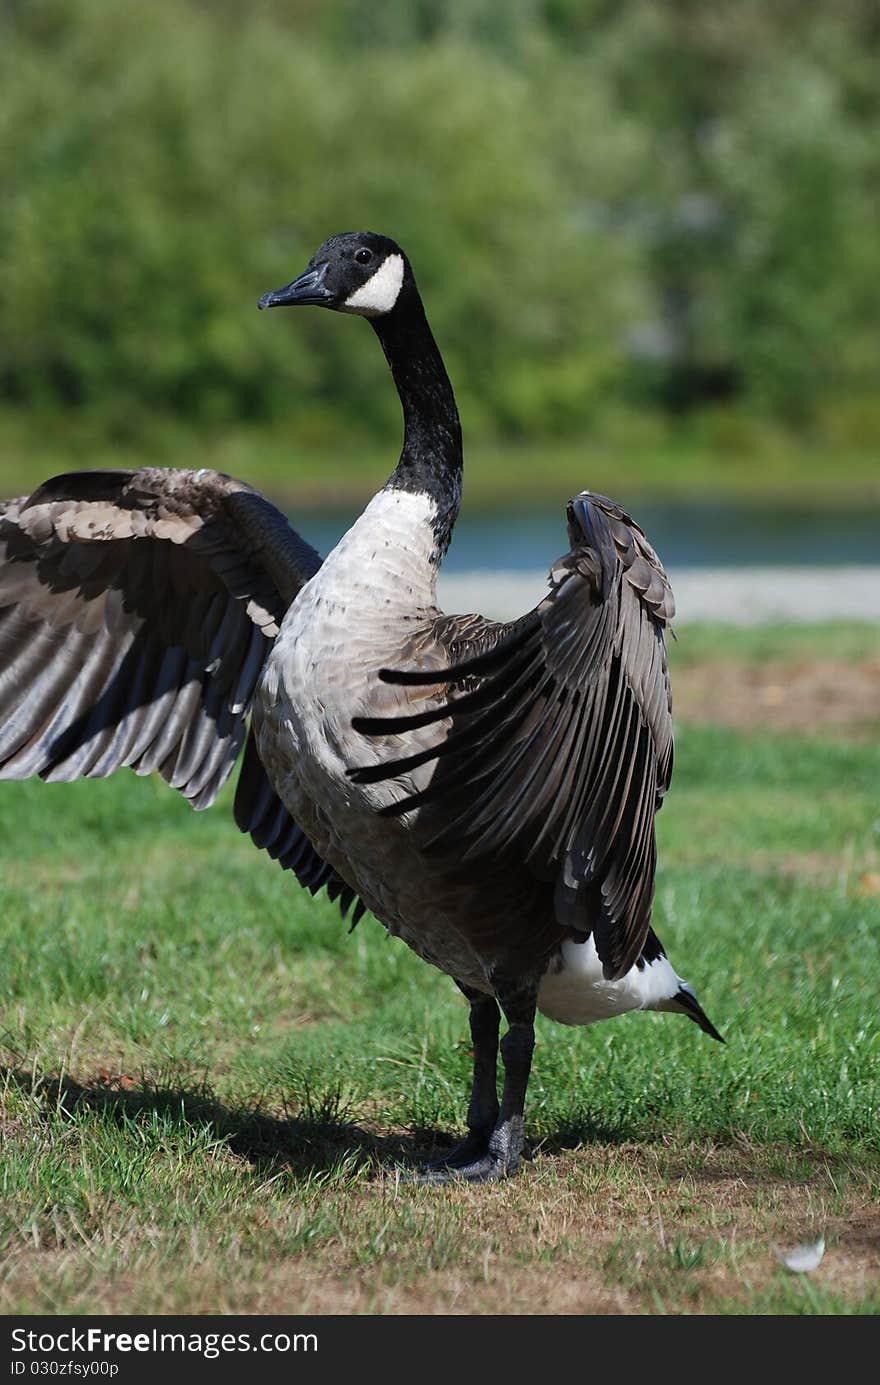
379 294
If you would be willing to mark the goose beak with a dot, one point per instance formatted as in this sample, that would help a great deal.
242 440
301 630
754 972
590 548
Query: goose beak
308 288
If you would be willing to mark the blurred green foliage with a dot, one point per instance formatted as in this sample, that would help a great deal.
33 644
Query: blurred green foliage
659 203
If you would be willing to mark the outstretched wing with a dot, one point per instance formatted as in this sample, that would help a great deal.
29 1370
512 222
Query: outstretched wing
137 609
260 812
559 743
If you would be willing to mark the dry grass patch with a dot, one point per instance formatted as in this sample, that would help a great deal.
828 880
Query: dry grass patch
604 1229
813 696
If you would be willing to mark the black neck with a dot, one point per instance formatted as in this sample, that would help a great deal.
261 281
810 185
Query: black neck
431 460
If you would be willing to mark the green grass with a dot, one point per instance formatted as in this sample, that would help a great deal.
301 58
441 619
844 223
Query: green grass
208 1085
843 642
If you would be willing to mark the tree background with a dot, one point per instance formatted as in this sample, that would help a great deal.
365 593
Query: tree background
616 211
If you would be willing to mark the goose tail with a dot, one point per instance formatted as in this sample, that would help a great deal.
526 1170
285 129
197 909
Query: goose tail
686 1002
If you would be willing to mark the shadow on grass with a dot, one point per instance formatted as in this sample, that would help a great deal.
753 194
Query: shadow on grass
317 1139
321 1138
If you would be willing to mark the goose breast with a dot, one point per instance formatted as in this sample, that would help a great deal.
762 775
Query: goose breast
370 607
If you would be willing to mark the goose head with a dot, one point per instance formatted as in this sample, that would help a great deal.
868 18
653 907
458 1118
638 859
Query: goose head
355 272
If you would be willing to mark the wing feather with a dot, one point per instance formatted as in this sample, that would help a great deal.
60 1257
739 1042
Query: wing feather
558 743
137 609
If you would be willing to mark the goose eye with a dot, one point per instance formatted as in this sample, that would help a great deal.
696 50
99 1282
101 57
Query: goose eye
363 256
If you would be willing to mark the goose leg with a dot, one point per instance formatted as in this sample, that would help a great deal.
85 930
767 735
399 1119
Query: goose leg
503 1152
483 1108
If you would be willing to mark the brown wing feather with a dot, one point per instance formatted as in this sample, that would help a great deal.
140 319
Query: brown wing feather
560 741
137 609
260 812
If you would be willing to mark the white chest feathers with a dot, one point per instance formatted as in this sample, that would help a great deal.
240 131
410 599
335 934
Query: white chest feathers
358 614
382 566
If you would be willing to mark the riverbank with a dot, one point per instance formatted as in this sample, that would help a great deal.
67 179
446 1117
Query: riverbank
636 461
736 596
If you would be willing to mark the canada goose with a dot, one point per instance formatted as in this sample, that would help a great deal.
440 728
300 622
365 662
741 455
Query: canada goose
487 790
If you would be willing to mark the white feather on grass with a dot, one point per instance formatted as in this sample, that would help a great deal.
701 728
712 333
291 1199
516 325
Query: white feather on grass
802 1259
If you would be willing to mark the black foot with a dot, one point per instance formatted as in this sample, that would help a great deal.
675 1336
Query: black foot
493 1149
468 1151
481 1158
490 1168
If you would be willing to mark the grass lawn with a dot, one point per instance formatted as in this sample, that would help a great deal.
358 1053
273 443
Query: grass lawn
208 1087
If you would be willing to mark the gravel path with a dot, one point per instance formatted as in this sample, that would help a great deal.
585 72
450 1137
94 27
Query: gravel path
737 596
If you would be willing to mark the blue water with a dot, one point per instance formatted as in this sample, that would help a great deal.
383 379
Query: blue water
704 535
